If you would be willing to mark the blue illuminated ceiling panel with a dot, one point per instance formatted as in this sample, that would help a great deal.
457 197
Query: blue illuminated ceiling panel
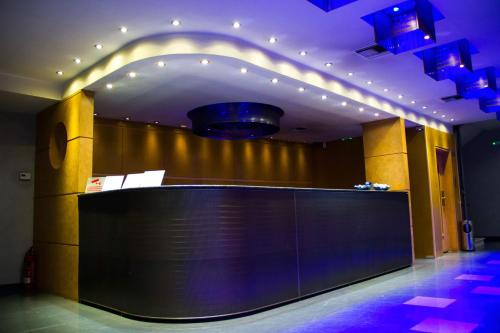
490 105
481 83
448 61
329 5
405 26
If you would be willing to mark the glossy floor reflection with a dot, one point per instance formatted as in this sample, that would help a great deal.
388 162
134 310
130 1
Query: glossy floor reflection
456 293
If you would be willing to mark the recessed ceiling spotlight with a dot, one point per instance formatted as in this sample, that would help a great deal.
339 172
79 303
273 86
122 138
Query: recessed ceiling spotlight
361 109
183 126
443 116
424 107
243 70
427 37
462 65
369 82
395 9
77 60
176 23
59 73
274 80
98 46
376 114
386 90
109 86
204 61
273 40
302 89
236 25
328 64
452 119
434 112
343 103
127 118
132 75
95 114
413 102
324 97
400 96
303 53
157 122
161 64
123 30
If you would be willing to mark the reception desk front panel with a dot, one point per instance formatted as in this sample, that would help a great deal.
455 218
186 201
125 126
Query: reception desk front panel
191 252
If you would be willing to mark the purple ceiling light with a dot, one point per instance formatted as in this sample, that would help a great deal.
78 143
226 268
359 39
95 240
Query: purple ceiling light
329 5
448 61
405 26
481 83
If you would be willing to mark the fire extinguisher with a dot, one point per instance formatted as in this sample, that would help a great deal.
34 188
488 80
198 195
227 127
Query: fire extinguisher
29 270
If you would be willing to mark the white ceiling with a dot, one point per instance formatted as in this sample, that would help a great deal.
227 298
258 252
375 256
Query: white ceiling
40 37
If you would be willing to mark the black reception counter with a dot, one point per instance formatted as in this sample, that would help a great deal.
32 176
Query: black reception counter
205 252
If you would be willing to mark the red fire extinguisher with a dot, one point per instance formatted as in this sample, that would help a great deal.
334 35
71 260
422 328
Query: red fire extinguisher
29 270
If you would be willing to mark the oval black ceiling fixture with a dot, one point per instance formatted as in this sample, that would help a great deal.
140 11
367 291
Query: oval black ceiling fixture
236 121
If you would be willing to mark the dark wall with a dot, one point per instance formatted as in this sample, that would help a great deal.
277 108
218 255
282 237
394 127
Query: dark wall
481 170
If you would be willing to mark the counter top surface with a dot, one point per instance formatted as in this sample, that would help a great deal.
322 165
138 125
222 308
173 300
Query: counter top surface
166 187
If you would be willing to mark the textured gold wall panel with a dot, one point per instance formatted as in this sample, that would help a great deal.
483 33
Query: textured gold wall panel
56 219
57 268
420 193
391 169
384 137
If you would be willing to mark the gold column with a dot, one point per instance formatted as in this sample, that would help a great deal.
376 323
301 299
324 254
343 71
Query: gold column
386 158
63 164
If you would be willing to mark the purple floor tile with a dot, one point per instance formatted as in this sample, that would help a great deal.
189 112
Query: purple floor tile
474 277
434 325
486 290
434 302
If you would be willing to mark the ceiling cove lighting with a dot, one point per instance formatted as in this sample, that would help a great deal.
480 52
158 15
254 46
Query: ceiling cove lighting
236 25
329 5
98 46
176 23
236 121
406 26
273 40
123 30
448 61
481 83
77 60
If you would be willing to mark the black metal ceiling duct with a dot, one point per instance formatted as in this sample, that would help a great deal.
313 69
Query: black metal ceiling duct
236 121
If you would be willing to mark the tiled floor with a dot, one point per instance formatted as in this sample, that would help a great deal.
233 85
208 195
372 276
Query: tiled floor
457 293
